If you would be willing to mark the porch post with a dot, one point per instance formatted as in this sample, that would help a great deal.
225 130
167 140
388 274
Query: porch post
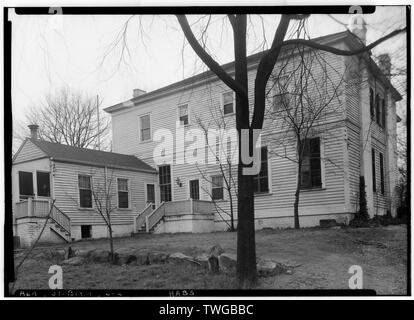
135 224
146 224
29 207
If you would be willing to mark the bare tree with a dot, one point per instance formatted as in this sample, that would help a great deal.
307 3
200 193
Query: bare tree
103 197
302 95
70 118
246 251
223 151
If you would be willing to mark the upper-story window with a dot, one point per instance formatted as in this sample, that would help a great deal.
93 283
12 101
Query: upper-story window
371 103
228 102
43 184
282 94
377 107
183 114
145 127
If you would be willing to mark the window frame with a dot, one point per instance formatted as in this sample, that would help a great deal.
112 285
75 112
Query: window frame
257 176
321 167
26 196
128 193
188 114
140 128
217 187
37 184
91 188
382 173
233 102
277 93
374 171
165 184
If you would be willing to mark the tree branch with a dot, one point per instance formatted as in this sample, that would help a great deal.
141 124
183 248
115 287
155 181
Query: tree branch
340 52
207 59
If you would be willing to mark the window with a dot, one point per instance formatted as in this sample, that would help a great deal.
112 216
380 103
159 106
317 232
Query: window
165 182
25 185
123 193
86 231
183 114
261 181
374 179
282 95
382 173
378 109
228 102
85 191
145 122
311 164
43 184
371 103
217 188
383 113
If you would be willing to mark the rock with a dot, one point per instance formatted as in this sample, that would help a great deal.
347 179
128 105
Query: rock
227 262
180 258
74 261
216 250
213 264
157 257
100 255
202 259
82 253
267 267
125 256
142 258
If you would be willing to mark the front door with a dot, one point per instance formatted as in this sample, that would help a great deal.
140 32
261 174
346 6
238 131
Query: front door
194 189
151 195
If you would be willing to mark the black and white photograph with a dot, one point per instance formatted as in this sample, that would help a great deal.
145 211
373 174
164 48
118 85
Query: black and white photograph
226 151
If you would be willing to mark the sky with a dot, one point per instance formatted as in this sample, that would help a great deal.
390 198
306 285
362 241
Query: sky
80 52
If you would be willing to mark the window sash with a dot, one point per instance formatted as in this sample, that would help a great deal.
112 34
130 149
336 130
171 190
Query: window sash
85 191
123 199
374 178
261 180
228 102
145 128
25 184
43 184
217 188
150 193
382 173
122 184
165 182
311 171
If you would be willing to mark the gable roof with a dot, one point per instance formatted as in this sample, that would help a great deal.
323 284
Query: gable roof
351 39
65 153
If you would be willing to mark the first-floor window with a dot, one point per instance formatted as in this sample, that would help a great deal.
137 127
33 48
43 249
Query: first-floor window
382 173
374 178
123 193
85 191
311 164
261 181
165 183
43 184
25 185
217 187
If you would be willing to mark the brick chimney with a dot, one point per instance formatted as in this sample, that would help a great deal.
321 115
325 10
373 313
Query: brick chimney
34 131
138 92
384 63
358 27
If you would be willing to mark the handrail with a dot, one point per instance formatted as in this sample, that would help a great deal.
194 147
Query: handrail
155 216
140 218
60 218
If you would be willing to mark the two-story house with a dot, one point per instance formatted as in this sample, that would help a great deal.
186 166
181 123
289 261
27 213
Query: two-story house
358 139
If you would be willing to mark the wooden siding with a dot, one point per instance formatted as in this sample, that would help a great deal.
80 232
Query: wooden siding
66 192
28 151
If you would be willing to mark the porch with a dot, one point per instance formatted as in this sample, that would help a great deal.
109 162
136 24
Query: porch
176 216
29 211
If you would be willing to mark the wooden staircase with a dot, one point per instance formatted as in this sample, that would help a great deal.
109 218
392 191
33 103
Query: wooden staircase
149 218
60 224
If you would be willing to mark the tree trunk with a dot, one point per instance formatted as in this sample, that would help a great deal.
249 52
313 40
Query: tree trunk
111 244
297 194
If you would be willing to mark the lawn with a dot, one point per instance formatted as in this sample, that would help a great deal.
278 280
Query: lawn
323 257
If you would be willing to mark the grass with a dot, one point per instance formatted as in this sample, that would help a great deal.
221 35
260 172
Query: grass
324 256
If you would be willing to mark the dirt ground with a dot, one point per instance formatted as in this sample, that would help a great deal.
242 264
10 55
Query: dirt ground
324 257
